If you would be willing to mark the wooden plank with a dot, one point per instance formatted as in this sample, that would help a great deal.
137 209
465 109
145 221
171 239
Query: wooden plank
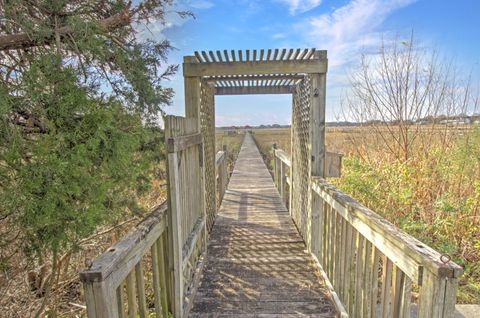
348 267
253 90
142 299
163 275
367 282
175 144
359 277
283 156
385 298
374 279
250 68
156 280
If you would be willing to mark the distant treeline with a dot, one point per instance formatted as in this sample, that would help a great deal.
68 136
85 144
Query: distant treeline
442 119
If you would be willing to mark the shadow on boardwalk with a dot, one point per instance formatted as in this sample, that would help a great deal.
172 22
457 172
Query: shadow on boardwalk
257 264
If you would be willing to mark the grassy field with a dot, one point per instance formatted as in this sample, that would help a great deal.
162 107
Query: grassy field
434 195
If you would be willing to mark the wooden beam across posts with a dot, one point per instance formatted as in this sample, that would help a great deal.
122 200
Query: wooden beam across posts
193 69
252 90
179 143
257 77
317 146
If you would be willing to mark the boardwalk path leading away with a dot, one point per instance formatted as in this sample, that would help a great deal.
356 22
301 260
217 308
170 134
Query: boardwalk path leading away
256 264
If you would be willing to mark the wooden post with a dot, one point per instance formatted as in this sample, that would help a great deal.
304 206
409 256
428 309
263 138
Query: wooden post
192 94
317 140
224 170
174 225
437 296
275 166
103 298
281 180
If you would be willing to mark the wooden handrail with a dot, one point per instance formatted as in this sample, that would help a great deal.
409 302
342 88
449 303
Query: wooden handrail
219 158
388 238
283 156
121 265
133 245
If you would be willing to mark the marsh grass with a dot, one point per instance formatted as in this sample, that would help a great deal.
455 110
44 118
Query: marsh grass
434 196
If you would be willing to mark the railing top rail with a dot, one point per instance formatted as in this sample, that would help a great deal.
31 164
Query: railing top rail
283 156
375 226
219 157
122 257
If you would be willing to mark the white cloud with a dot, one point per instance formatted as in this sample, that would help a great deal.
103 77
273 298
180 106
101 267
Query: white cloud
278 36
300 6
200 4
347 29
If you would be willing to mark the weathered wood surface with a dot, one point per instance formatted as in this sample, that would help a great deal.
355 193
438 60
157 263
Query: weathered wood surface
257 264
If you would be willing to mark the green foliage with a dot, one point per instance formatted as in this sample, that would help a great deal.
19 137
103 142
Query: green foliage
79 138
434 197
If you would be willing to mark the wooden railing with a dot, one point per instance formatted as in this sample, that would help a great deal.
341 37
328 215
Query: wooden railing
281 173
221 174
156 267
115 283
376 269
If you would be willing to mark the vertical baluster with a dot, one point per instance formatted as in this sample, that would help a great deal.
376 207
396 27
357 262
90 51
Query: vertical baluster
342 262
374 279
333 214
359 278
348 262
156 280
367 293
338 249
327 238
406 295
281 180
131 295
120 301
386 288
163 274
142 300
351 271
331 223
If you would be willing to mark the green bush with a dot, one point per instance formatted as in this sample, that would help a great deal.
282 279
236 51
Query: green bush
434 197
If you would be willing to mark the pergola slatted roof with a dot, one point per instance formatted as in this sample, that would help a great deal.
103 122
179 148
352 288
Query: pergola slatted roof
238 72
293 55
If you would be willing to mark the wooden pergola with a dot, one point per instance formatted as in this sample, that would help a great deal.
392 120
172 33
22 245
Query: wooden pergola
255 72
299 72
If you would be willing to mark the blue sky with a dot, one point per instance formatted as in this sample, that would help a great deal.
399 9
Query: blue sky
343 27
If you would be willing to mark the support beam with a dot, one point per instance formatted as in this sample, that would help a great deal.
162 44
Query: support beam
256 77
317 146
254 68
192 94
248 90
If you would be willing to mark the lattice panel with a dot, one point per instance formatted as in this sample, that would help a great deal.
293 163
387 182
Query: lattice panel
207 122
301 155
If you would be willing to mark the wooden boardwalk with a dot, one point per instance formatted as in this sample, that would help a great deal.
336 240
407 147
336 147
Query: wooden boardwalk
257 264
